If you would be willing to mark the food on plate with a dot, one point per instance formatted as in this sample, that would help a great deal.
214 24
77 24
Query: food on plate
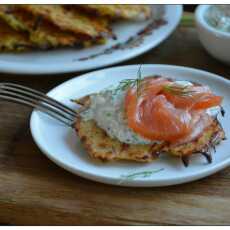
144 117
71 20
130 12
42 33
7 14
54 26
10 40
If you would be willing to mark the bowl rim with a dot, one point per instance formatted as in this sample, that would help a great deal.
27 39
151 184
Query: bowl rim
199 17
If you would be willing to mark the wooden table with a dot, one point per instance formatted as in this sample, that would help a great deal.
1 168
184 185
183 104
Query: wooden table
34 191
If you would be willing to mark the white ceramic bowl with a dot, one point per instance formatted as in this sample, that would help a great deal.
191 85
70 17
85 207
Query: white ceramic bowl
216 42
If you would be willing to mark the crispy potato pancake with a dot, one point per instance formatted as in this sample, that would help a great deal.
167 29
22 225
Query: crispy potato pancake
51 26
74 20
7 14
42 33
11 40
128 12
99 145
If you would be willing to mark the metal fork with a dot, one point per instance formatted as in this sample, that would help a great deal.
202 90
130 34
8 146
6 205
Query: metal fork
38 100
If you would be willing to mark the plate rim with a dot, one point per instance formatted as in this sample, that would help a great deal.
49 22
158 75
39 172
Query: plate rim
19 68
137 182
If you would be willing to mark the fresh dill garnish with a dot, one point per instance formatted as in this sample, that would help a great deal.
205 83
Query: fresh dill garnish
179 90
125 84
142 174
131 83
139 81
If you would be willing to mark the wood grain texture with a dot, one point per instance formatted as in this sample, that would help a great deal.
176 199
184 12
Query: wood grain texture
34 191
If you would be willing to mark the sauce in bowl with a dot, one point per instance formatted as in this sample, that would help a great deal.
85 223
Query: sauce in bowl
218 16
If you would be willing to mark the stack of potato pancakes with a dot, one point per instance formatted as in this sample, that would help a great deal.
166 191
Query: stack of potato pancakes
27 27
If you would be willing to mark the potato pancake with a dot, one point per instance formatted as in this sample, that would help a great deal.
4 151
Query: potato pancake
86 26
41 33
99 145
12 40
128 12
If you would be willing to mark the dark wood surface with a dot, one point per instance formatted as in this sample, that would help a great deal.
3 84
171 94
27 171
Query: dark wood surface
34 191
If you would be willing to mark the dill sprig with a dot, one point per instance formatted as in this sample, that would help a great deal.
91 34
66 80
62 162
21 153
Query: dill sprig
179 90
125 84
131 83
143 174
139 81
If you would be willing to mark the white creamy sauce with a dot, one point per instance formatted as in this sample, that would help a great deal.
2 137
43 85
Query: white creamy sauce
107 110
218 16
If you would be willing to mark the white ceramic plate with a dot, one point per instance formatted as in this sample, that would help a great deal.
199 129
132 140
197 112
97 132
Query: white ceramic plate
69 60
62 145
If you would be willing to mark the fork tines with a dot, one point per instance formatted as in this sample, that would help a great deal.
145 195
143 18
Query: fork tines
33 98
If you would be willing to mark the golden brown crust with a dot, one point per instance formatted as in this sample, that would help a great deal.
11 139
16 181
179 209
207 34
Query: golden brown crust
130 12
52 26
211 136
71 20
99 145
41 32
11 40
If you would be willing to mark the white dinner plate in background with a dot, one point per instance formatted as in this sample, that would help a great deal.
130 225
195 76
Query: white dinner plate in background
131 41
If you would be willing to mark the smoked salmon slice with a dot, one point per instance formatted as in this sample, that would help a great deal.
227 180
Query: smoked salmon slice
200 97
158 114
